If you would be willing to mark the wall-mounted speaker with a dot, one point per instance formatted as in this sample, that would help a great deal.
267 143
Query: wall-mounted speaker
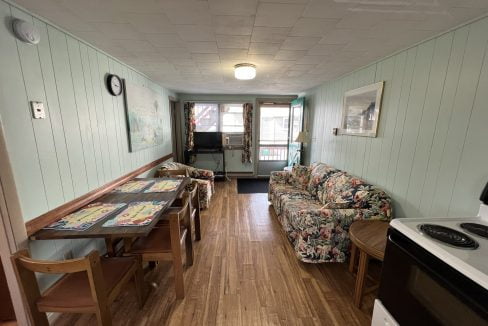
25 31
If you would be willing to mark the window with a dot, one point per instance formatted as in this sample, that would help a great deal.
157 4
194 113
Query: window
207 117
273 133
214 117
232 120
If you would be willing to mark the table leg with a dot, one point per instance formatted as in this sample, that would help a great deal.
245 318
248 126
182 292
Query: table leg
361 278
352 260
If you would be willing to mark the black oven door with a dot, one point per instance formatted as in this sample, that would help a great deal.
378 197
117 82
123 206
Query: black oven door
417 288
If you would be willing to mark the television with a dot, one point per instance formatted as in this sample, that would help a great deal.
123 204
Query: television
207 140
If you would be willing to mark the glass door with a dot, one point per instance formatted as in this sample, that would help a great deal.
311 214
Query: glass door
274 121
296 126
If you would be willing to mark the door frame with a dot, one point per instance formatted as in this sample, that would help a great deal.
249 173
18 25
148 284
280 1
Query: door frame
264 102
175 130
13 235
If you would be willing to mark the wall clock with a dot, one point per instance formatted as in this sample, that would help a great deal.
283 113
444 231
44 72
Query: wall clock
114 85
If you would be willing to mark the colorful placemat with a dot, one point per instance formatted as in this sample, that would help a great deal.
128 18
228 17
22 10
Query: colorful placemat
164 186
85 217
133 186
136 214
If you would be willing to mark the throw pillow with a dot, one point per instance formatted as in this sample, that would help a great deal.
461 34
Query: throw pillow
300 175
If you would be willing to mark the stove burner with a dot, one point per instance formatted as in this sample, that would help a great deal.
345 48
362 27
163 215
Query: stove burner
478 229
449 236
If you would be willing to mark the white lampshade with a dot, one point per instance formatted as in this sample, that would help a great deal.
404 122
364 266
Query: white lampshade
302 137
245 71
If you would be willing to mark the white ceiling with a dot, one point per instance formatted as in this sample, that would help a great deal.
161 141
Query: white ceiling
192 45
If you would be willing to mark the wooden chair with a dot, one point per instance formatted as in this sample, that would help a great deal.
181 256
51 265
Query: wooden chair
90 284
171 173
195 210
194 202
165 241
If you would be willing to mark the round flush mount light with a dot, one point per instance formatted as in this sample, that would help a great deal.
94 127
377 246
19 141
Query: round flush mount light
245 71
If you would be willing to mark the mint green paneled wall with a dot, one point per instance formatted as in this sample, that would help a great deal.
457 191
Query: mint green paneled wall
83 142
430 153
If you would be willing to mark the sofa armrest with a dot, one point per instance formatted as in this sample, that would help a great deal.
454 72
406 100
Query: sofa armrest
280 177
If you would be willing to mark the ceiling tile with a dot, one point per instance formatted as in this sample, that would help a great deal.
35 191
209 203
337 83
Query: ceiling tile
233 7
205 57
326 9
232 54
195 33
289 55
325 49
202 47
264 48
165 40
270 34
150 23
118 31
299 43
313 27
233 42
233 25
296 44
278 15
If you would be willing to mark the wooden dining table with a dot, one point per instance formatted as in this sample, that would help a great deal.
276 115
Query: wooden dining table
119 232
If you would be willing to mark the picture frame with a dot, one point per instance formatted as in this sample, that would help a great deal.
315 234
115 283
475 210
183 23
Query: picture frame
361 110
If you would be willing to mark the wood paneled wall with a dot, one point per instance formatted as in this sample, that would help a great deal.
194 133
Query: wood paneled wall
83 143
431 151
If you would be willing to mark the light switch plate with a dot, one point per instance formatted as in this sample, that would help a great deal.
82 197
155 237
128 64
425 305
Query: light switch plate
38 111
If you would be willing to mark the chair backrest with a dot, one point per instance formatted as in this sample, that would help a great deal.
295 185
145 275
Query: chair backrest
193 193
25 268
169 173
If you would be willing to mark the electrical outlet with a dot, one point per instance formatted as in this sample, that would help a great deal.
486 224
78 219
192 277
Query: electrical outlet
38 111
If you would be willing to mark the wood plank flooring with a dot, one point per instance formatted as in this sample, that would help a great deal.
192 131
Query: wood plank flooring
244 273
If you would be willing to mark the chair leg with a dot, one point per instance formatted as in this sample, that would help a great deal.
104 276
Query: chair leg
104 317
198 235
177 263
139 285
189 248
361 278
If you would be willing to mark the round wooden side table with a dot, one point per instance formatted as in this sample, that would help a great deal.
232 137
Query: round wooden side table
369 238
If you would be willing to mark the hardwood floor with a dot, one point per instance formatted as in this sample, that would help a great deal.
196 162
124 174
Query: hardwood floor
244 273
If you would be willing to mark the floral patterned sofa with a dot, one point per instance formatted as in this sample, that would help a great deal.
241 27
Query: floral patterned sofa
316 205
205 179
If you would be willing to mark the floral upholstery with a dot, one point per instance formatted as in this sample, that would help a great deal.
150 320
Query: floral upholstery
317 220
300 176
205 179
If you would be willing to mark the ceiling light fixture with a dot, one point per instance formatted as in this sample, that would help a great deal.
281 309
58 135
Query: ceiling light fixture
245 71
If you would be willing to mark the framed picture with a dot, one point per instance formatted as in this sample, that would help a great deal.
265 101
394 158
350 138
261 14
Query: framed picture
146 117
361 110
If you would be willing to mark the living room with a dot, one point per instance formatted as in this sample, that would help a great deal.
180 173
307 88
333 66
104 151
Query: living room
243 162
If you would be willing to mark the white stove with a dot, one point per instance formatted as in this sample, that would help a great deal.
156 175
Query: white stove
426 281
473 263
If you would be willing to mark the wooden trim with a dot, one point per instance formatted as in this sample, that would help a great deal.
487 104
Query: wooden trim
55 214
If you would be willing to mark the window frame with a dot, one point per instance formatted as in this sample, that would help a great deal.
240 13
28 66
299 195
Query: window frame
220 105
218 116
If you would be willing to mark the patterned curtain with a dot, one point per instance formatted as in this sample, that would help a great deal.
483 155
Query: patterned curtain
190 124
247 115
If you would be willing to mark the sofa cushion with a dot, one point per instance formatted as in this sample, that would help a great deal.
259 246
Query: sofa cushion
295 210
281 191
300 176
346 191
319 173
